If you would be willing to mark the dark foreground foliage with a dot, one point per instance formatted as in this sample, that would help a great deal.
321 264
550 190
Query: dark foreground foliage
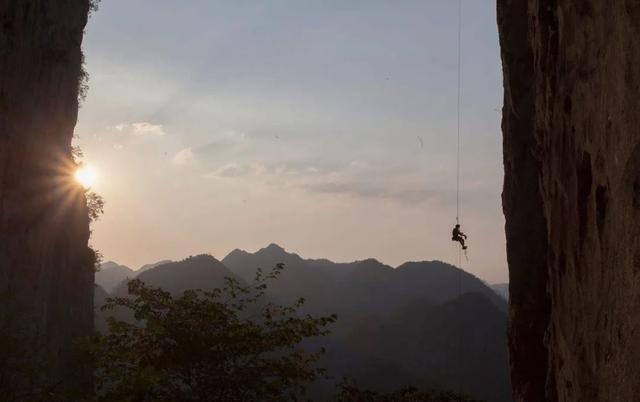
350 393
223 345
227 344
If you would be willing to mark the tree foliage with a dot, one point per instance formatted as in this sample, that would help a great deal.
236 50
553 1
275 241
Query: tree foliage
95 205
351 393
227 344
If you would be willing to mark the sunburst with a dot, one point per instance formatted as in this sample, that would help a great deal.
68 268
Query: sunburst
86 176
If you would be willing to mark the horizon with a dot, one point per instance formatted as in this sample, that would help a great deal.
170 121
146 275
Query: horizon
329 128
287 251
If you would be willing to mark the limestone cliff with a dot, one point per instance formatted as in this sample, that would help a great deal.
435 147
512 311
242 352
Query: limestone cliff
46 276
571 124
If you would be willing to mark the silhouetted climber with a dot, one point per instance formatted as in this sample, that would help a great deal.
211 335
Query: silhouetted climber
458 236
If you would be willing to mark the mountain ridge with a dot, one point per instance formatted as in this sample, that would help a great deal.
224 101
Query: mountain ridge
387 317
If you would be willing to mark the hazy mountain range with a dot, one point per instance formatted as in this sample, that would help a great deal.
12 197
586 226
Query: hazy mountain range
426 324
502 289
111 273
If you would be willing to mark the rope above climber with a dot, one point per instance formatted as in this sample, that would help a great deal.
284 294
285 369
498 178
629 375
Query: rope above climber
459 236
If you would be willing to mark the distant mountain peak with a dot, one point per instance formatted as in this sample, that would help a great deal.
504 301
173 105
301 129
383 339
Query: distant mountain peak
113 265
200 258
370 264
147 267
435 264
370 261
112 273
238 251
274 250
275 247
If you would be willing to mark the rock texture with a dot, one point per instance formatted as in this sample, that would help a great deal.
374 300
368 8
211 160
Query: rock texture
46 275
571 124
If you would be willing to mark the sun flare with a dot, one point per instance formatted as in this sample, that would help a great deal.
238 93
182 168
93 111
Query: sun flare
86 176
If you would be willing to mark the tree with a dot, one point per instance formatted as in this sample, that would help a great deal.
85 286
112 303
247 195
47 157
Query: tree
222 345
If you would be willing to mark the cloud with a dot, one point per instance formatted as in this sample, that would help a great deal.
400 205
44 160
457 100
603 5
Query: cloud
355 179
183 157
232 170
358 179
311 167
141 129
226 142
367 190
359 189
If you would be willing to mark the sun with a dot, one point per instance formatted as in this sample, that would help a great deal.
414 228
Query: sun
86 176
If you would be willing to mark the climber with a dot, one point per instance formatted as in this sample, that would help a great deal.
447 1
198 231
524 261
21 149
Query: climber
458 236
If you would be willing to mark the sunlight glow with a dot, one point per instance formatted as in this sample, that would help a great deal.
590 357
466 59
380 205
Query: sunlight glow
86 176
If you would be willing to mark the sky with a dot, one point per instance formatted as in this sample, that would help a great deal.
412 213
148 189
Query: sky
326 126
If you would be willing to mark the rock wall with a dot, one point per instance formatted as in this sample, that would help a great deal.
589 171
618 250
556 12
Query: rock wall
46 275
571 124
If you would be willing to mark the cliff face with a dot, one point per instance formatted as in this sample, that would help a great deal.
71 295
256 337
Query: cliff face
571 124
46 276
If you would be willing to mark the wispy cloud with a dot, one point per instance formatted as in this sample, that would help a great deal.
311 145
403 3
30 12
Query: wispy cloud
234 170
360 180
226 142
183 157
141 129
372 191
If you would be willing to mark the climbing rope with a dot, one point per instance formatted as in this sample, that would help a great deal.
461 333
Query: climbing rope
459 122
458 111
459 262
